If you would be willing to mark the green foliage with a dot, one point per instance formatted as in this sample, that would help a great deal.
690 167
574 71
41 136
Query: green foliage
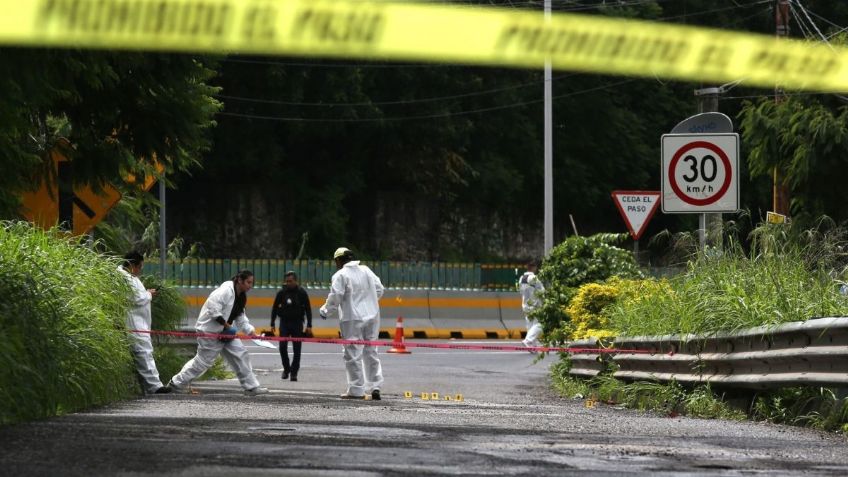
786 275
704 403
812 407
119 110
167 307
807 141
574 262
670 399
62 310
564 384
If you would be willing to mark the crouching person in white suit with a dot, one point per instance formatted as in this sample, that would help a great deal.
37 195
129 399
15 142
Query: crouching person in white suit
223 313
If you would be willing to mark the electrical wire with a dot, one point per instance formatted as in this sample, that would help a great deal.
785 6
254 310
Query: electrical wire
816 27
387 103
820 34
433 99
825 20
806 31
429 116
704 12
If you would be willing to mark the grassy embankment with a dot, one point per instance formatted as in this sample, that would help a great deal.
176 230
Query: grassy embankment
62 312
780 278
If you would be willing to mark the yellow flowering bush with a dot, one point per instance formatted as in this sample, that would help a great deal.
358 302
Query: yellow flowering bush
593 305
586 310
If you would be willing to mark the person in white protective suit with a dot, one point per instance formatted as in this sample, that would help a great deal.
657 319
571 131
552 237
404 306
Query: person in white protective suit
531 289
139 318
354 299
223 313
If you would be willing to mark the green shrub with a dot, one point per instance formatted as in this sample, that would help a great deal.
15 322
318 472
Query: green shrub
168 306
62 310
574 262
704 403
807 406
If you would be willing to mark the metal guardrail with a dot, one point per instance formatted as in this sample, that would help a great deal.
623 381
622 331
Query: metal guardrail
317 273
813 352
586 365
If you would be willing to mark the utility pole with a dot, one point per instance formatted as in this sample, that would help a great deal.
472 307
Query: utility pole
162 242
780 193
709 225
549 180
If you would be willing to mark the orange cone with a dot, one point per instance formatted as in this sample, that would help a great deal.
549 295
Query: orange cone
398 347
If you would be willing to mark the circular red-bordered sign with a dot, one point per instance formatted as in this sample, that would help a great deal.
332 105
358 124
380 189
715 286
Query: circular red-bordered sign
724 160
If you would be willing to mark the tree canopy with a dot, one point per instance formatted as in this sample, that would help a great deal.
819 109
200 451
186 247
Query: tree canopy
118 111
399 160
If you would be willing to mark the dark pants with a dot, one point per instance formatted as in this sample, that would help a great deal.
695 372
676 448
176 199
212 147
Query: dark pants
295 330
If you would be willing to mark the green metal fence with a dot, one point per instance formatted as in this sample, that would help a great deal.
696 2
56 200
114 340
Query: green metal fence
317 273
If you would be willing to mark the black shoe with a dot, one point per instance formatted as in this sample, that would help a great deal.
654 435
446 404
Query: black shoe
285 375
164 390
293 377
375 395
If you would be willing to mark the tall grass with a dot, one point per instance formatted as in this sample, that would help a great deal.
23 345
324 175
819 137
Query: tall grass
167 308
62 310
780 277
777 275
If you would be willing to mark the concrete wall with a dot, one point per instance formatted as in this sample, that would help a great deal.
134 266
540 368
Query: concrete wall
426 313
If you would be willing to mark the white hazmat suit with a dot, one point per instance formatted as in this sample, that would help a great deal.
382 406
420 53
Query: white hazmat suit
219 303
354 299
531 289
142 346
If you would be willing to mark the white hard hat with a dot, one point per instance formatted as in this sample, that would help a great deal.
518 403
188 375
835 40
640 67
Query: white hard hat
341 252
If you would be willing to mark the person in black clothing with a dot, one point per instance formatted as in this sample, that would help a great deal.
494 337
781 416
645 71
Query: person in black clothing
291 305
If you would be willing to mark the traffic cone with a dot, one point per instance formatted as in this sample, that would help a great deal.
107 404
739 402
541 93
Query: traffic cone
398 347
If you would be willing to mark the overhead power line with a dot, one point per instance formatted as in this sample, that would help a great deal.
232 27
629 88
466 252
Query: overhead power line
387 103
715 10
428 116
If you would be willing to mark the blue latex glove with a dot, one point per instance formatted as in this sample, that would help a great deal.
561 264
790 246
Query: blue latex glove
228 331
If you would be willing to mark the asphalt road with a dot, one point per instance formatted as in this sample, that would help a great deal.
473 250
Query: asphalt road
508 423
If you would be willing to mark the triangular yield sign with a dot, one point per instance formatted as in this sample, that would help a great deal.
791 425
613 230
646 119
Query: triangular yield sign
637 207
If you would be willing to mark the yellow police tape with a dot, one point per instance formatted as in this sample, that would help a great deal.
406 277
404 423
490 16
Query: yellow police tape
408 31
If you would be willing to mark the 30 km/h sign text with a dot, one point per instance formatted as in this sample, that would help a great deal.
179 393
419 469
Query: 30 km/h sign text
699 173
696 176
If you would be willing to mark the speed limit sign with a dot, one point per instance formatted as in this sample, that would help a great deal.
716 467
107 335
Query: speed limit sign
700 173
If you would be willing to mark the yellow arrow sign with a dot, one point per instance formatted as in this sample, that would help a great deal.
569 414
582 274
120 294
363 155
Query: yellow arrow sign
409 31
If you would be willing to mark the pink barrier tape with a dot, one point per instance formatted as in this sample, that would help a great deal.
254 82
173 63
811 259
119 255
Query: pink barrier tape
540 349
